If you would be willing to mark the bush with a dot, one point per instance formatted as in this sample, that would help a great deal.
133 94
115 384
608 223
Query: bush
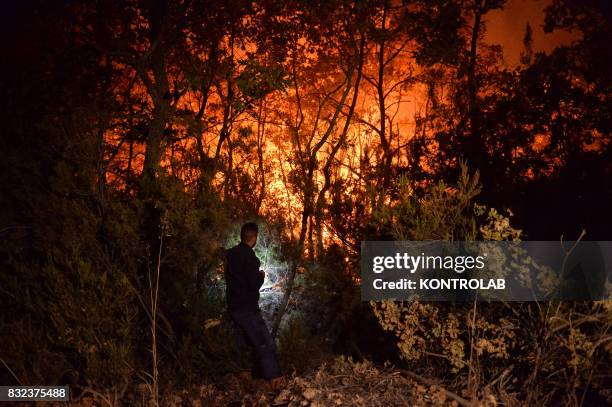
74 284
555 351
295 347
70 318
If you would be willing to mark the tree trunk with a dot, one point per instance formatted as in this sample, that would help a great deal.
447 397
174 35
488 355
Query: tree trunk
384 141
261 126
327 168
159 90
308 209
475 141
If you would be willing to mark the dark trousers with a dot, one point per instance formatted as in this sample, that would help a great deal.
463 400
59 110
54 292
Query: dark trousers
258 337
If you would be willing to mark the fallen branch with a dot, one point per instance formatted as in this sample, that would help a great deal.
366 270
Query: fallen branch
501 376
11 372
429 382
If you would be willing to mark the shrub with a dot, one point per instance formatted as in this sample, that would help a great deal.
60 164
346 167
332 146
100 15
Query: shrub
295 347
555 351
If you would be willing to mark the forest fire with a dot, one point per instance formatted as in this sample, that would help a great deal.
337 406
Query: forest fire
189 183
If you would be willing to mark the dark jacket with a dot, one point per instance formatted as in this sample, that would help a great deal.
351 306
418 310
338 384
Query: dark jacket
242 278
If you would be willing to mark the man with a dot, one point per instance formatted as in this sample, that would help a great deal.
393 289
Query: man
243 281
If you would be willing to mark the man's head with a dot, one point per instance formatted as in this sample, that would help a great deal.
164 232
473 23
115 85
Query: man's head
248 233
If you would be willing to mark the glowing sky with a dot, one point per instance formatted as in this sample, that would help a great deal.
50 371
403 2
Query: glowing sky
507 28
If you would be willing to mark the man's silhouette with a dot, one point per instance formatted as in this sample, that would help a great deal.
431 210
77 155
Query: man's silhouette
243 281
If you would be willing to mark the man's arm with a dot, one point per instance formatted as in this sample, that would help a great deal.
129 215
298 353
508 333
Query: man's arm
254 277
